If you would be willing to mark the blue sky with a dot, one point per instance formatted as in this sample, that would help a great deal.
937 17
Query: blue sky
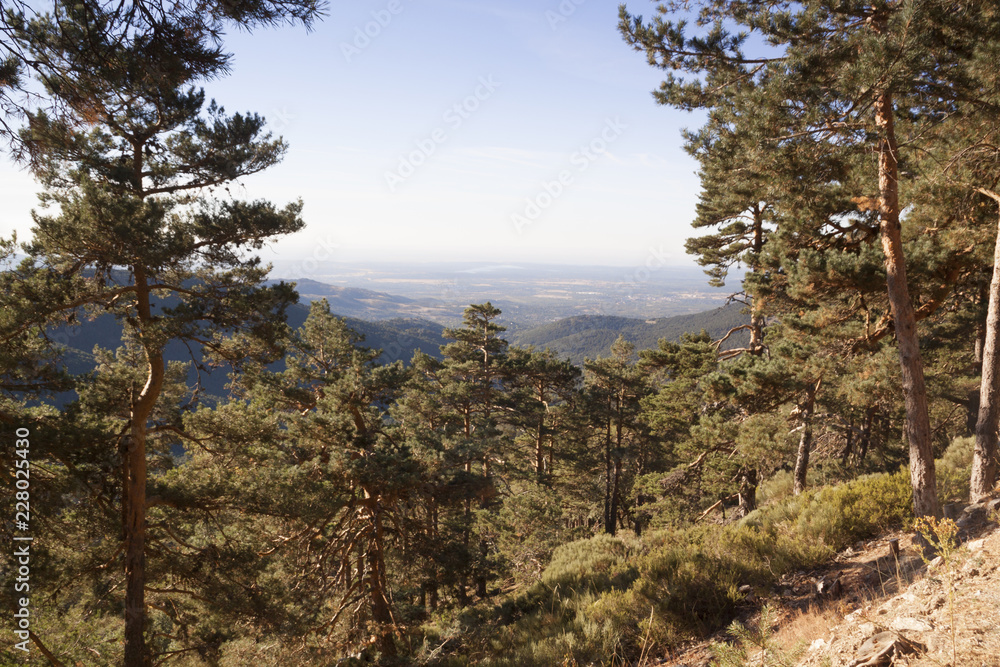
507 130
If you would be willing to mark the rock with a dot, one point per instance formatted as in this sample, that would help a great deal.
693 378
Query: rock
883 648
934 563
831 588
993 505
817 645
976 545
935 602
867 628
908 623
974 515
953 510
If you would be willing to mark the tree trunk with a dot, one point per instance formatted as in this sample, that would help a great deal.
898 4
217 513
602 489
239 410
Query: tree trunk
757 321
866 434
136 652
747 494
918 429
481 575
540 443
805 442
984 461
616 495
609 522
845 455
378 587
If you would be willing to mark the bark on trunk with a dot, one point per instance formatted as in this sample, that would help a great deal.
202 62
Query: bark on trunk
378 587
805 442
984 461
136 652
747 494
866 435
918 430
616 495
481 575
609 526
540 441
757 320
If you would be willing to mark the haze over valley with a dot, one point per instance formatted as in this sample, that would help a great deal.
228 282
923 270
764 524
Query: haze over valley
528 294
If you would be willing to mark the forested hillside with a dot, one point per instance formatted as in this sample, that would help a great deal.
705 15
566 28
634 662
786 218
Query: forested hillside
482 502
591 336
397 338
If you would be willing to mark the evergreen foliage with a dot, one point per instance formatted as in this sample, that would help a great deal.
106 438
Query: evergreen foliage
492 503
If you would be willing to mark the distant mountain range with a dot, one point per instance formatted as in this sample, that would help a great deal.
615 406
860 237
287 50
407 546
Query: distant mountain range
366 304
398 338
574 338
591 336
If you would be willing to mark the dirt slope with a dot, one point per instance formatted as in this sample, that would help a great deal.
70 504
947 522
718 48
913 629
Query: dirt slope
887 605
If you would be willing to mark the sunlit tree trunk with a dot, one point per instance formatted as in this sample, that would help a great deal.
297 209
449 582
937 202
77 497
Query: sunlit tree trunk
918 429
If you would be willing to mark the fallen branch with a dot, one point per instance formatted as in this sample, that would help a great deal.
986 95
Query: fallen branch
717 503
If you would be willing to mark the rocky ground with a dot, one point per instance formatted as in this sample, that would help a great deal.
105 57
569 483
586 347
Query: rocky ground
880 603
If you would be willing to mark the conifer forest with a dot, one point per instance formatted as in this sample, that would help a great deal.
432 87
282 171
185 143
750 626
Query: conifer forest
217 487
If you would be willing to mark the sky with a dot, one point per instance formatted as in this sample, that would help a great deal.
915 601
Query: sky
486 130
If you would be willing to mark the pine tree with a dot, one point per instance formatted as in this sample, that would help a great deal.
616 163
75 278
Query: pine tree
199 41
353 476
135 234
545 382
615 388
472 375
841 80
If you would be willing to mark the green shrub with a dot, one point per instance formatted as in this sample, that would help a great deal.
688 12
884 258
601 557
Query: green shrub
954 470
597 563
841 515
603 599
777 487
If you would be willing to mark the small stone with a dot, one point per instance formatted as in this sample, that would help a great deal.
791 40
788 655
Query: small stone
934 563
878 648
817 644
867 628
829 587
908 623
976 545
935 602
974 515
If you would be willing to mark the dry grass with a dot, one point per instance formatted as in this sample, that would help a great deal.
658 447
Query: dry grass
807 625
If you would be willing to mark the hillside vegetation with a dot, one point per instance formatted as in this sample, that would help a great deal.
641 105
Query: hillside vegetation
482 502
591 336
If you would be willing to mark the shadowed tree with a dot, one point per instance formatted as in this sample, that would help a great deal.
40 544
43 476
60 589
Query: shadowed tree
132 232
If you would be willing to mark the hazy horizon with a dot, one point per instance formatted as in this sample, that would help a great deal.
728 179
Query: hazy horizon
497 131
